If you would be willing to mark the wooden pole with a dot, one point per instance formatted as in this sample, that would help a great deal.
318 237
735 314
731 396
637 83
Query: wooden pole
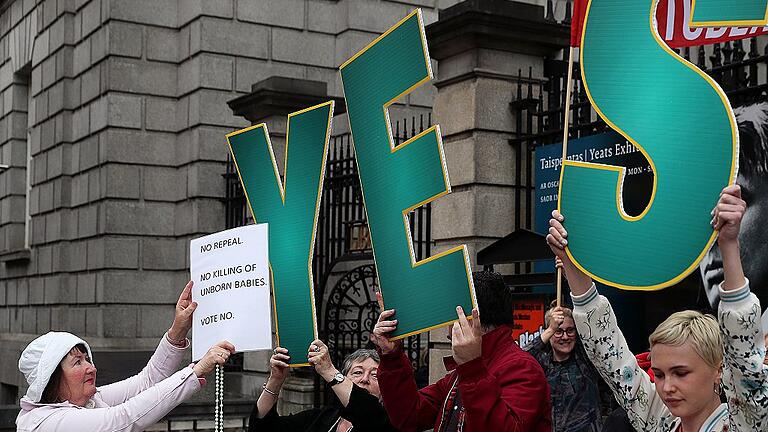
566 122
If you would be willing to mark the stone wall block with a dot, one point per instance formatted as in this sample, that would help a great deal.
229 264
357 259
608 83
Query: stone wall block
54 168
12 208
72 92
455 107
99 114
120 181
161 13
138 76
81 120
323 16
90 87
86 288
163 44
163 184
123 321
80 189
285 13
43 320
124 111
210 107
5 320
94 321
60 290
189 75
64 63
216 71
74 256
29 320
453 215
161 114
81 57
155 287
38 114
95 190
149 148
46 197
207 215
88 221
52 234
205 144
40 50
163 254
375 17
45 259
494 93
99 45
125 39
36 294
300 47
139 218
153 320
205 180
192 9
56 98
16 318
68 228
227 37
91 17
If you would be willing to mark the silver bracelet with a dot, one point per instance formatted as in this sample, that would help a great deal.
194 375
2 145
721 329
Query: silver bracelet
264 387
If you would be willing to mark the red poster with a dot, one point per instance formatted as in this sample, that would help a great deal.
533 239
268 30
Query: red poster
672 17
528 316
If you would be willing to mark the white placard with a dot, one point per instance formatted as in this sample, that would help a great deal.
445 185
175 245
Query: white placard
230 271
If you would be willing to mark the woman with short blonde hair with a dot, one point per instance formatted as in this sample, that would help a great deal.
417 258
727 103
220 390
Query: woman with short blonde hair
693 355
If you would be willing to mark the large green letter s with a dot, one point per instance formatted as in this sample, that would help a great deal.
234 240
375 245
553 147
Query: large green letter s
682 122
290 207
398 179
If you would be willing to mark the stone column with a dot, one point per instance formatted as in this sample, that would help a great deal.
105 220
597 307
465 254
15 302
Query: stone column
480 46
270 102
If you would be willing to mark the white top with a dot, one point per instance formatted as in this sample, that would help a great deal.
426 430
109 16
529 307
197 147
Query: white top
745 377
133 404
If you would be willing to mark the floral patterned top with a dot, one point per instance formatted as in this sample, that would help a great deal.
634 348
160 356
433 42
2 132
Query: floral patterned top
745 378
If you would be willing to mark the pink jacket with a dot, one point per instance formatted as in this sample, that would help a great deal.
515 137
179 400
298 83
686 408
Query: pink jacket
133 404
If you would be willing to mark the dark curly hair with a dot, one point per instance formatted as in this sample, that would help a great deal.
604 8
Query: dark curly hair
494 299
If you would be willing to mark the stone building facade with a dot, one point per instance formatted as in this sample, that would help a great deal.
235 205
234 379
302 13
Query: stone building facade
112 122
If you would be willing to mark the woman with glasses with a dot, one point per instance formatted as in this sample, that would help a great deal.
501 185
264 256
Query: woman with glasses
356 386
575 384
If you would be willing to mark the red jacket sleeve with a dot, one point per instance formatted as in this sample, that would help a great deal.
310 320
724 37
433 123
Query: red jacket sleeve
409 409
514 399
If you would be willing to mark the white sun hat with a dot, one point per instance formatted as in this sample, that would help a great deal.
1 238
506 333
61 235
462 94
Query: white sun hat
40 358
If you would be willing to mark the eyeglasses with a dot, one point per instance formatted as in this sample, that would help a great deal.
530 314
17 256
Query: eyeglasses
570 331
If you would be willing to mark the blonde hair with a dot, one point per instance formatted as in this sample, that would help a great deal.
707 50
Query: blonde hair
701 330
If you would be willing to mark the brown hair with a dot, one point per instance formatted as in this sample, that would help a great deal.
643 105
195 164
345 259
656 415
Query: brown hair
51 392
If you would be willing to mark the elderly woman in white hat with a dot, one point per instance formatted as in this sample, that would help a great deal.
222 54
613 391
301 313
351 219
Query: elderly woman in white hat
63 396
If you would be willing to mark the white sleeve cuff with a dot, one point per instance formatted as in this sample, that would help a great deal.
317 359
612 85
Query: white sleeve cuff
582 301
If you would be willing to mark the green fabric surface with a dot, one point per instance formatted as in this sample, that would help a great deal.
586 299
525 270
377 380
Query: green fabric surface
687 131
424 295
291 224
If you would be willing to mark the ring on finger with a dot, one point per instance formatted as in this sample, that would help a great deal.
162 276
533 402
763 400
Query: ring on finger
315 348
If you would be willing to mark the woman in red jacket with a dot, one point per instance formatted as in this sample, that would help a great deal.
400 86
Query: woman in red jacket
492 385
